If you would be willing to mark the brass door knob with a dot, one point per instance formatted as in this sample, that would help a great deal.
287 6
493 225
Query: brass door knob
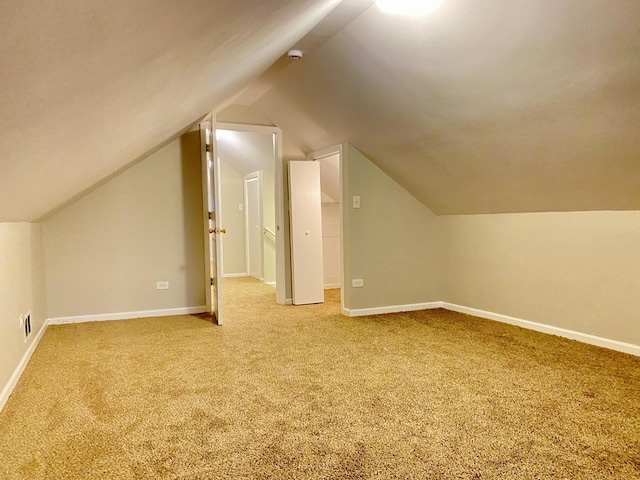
218 230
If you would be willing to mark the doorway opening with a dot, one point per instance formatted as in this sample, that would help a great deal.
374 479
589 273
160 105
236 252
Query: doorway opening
238 180
330 161
250 206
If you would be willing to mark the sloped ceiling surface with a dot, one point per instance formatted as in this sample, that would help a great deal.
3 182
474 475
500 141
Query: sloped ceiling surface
482 107
87 87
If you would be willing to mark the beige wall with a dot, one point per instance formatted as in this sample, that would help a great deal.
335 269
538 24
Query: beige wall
22 290
269 221
578 271
233 242
390 242
105 253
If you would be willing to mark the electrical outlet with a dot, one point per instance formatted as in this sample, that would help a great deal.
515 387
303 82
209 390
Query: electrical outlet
26 325
357 283
356 201
162 285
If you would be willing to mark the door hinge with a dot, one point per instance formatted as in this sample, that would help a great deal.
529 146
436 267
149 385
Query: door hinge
207 147
212 281
212 215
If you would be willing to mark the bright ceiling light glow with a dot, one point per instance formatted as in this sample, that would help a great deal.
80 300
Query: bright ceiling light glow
228 135
408 7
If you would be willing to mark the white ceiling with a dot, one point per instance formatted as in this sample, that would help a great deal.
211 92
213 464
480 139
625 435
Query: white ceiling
491 106
88 87
482 107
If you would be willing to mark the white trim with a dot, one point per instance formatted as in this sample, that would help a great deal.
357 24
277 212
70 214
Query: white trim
329 286
288 301
234 275
549 329
17 373
246 127
360 312
127 315
325 152
272 284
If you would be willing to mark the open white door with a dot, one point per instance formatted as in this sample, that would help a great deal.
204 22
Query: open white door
305 199
211 204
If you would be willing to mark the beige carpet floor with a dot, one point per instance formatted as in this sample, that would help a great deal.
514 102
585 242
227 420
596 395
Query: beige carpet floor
302 392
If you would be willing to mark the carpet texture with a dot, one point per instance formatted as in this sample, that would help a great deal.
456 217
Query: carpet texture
302 392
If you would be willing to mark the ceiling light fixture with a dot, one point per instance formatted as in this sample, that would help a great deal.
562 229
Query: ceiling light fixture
408 7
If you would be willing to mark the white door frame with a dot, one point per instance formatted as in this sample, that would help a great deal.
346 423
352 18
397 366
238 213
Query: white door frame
254 176
281 276
327 152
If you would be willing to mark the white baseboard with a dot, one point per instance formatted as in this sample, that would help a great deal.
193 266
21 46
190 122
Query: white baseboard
359 312
271 284
127 315
15 376
329 286
234 275
540 327
288 301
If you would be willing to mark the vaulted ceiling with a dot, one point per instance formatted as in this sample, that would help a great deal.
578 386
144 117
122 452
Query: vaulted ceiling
492 106
87 87
482 107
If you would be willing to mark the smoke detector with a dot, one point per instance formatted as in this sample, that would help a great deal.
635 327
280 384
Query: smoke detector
294 54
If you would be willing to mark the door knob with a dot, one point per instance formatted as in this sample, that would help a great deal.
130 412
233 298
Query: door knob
218 230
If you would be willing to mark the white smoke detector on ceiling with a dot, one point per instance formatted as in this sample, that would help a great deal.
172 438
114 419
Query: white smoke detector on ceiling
294 54
408 7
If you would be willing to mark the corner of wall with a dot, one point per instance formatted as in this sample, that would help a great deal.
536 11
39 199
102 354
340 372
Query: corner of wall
22 291
390 241
142 226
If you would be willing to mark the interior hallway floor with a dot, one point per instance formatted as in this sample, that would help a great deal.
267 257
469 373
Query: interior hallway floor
303 392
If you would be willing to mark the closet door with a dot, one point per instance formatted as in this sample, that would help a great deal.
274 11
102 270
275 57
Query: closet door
305 209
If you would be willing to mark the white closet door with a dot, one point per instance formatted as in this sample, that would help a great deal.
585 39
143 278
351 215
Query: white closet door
306 233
